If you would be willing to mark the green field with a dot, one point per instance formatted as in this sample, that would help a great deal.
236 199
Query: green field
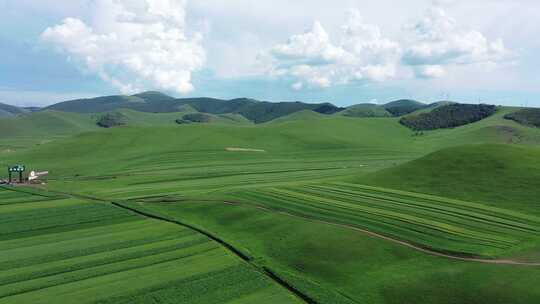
87 252
305 208
443 225
336 264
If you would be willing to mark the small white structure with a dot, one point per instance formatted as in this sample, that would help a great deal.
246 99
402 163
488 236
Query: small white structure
36 175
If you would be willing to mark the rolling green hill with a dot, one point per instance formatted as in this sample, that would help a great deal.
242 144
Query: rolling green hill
404 106
528 117
145 102
304 115
505 176
26 130
306 207
45 123
448 116
365 110
431 107
155 102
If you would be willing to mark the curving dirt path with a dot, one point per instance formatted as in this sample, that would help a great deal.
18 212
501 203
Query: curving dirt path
395 241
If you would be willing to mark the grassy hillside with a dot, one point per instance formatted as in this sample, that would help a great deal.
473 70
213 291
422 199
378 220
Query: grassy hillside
441 225
336 138
250 185
527 117
404 106
494 129
155 102
432 106
144 119
506 176
146 102
303 136
25 131
366 110
366 270
448 116
304 115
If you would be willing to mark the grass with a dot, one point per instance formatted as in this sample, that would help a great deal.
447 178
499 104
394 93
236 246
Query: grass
498 175
528 116
335 264
365 110
440 224
86 252
313 168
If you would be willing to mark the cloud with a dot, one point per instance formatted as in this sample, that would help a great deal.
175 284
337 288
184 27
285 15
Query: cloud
312 47
427 49
312 59
438 41
429 71
133 44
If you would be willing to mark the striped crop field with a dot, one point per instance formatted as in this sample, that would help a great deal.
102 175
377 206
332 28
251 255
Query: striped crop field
439 224
73 251
16 197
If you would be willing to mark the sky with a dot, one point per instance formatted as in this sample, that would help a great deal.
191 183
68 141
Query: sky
341 51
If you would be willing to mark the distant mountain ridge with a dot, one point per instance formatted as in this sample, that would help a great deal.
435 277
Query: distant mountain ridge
8 110
253 110
155 102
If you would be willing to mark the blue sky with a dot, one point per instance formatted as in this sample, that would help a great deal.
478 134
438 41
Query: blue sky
340 51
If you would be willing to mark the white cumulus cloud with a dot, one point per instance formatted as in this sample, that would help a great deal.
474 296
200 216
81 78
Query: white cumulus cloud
133 44
427 49
438 41
312 59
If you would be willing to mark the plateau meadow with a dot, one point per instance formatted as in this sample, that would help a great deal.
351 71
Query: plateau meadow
189 201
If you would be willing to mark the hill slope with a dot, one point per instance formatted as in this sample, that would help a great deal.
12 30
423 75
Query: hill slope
365 110
507 176
448 116
404 106
144 102
177 164
45 123
527 117
8 110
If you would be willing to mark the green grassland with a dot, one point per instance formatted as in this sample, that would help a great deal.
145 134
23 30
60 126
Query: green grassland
28 130
506 176
527 116
84 252
443 225
336 264
344 209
